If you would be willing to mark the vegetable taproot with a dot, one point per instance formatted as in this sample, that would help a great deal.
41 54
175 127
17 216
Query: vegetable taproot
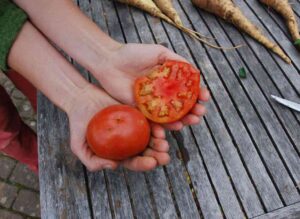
284 8
150 7
167 8
227 10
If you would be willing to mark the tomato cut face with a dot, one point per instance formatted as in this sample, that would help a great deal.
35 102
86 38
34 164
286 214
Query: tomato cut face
168 92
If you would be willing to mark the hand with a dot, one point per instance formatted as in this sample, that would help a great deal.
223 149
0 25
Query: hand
82 109
124 64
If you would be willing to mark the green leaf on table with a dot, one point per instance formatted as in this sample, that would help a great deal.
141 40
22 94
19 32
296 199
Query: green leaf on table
242 73
297 42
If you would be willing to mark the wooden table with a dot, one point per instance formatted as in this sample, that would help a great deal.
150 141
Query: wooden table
242 161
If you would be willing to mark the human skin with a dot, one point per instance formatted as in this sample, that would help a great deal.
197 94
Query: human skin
113 64
50 73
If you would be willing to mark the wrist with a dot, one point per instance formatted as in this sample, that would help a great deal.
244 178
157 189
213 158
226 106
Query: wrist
100 56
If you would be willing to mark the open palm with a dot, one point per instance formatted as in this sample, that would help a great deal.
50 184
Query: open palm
80 114
130 61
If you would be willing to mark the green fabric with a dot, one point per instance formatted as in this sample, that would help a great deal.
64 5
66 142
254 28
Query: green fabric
12 19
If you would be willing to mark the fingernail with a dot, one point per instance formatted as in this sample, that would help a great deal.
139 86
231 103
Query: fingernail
107 167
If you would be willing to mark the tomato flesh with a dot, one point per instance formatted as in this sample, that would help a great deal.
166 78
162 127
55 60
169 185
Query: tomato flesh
118 132
168 92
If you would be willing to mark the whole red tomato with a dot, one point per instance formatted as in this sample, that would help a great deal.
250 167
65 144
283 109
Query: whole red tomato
118 132
168 92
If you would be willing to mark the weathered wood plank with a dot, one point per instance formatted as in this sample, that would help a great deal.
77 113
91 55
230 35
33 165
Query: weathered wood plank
62 183
259 72
215 168
271 118
157 179
278 19
258 15
116 184
99 195
290 212
289 70
60 170
278 78
180 184
267 85
208 202
182 50
296 7
246 147
143 207
96 181
180 188
255 126
181 206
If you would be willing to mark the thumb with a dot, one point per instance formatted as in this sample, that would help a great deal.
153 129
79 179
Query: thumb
167 54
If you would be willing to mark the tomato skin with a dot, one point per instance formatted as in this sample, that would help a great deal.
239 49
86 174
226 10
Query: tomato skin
168 92
118 132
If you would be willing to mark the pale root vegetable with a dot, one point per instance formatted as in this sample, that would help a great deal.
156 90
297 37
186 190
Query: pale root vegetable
150 7
227 10
284 8
167 8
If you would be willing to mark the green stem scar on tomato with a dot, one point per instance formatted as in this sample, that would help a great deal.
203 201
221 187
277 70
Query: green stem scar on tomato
168 92
118 132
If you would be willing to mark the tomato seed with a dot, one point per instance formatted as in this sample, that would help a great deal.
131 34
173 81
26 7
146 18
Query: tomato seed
152 104
177 105
164 111
146 89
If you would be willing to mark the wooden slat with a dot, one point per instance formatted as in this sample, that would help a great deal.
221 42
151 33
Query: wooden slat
162 197
278 19
296 7
179 46
270 25
116 184
246 147
62 185
180 187
258 71
99 195
204 191
287 151
288 70
142 203
289 212
179 198
157 179
180 184
255 126
213 162
227 152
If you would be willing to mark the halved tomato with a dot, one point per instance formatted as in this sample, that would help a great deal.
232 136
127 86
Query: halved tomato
168 92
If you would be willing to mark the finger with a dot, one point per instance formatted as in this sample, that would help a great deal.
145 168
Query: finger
161 157
91 161
174 126
199 110
190 120
169 55
140 163
157 131
204 94
159 145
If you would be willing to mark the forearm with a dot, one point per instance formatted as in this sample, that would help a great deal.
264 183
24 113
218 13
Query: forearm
34 58
63 23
